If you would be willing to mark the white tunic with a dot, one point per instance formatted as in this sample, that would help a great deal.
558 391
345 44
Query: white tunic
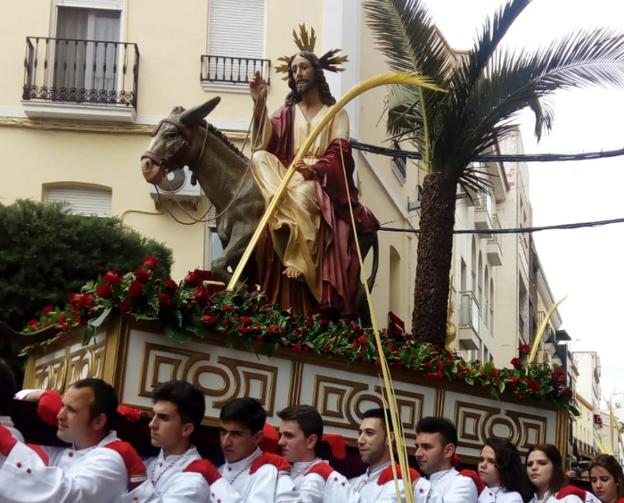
372 487
93 475
167 481
447 486
318 482
499 495
257 479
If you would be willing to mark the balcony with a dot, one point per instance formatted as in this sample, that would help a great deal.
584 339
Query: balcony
80 79
494 251
468 330
484 212
226 72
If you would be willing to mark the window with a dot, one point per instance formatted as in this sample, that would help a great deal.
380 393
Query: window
81 200
82 59
235 42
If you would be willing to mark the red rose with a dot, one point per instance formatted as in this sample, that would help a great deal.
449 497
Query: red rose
135 289
517 363
65 326
104 291
245 320
201 295
47 310
32 324
513 381
296 346
242 329
273 329
533 385
169 284
228 307
124 306
141 274
195 278
112 277
558 376
150 262
209 320
164 300
565 393
88 300
76 300
362 340
439 375
524 349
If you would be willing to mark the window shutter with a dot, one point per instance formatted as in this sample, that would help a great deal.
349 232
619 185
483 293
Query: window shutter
236 28
82 201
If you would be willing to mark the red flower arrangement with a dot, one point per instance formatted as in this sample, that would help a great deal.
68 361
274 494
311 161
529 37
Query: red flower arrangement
193 309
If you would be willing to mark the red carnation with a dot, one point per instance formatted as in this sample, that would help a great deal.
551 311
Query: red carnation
209 320
242 329
169 284
76 300
135 289
245 320
112 277
150 262
362 340
228 308
517 363
47 310
32 324
565 393
296 346
202 296
88 300
104 291
524 349
141 274
164 300
273 329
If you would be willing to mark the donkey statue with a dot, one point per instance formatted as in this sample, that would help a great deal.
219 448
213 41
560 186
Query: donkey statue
222 170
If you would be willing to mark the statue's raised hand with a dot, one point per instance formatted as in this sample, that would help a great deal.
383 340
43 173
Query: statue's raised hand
258 89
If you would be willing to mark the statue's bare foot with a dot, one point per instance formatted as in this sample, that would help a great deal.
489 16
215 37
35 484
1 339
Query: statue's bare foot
292 273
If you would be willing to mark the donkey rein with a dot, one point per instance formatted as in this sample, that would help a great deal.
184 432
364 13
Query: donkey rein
203 218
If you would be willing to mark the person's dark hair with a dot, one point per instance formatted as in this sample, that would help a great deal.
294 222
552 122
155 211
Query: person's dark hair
188 398
246 411
441 425
512 473
559 478
319 77
104 399
610 464
307 417
8 387
382 415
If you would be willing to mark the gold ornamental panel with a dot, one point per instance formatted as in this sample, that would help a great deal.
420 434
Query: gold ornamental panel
220 378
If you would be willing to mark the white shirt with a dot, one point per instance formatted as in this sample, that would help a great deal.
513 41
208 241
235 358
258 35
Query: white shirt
499 495
167 481
572 498
97 474
372 490
447 486
317 482
258 481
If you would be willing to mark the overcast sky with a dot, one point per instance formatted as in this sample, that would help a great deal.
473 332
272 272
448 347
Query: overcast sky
588 264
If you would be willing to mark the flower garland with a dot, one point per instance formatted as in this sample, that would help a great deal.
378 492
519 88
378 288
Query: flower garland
196 307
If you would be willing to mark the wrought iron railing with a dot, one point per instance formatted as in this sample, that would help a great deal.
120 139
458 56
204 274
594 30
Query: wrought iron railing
81 71
233 70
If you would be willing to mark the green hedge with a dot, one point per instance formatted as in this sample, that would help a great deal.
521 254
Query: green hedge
46 253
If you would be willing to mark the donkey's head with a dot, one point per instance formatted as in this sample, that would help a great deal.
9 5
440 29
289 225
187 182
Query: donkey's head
172 140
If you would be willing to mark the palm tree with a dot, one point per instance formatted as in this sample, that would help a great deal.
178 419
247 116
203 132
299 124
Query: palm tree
486 88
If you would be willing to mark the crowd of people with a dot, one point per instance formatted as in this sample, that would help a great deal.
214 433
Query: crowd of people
96 466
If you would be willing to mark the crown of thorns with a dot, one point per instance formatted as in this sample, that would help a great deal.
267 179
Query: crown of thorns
331 60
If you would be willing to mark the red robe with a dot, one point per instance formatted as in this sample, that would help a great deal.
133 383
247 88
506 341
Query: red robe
339 262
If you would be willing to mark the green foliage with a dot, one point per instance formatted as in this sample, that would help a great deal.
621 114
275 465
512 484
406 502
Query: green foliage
45 253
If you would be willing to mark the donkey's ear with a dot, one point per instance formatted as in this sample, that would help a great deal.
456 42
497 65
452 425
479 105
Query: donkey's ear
194 116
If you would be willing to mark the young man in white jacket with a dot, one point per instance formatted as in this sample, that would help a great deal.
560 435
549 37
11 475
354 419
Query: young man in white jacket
179 473
96 468
436 441
257 476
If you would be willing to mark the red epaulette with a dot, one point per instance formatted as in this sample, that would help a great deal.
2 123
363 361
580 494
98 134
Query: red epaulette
267 458
41 453
386 475
571 491
322 469
205 468
471 474
137 474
